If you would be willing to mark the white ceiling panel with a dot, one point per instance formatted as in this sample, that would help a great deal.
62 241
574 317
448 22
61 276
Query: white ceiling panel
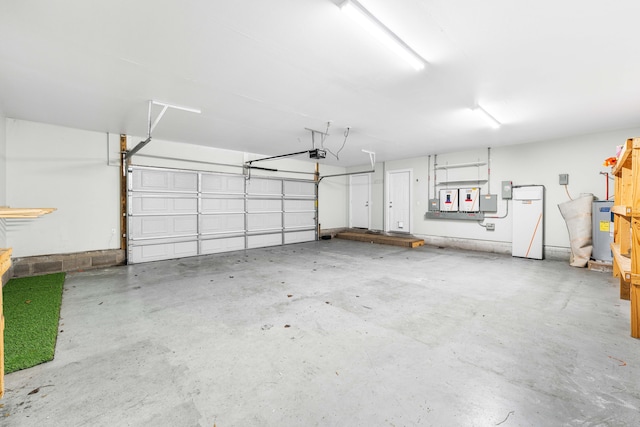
263 71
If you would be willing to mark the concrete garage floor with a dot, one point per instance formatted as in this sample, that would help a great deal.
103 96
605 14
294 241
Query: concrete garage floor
337 333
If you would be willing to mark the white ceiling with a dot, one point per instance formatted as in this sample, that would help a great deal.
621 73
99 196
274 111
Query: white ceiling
263 71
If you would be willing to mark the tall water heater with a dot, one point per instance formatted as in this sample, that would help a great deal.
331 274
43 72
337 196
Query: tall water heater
602 220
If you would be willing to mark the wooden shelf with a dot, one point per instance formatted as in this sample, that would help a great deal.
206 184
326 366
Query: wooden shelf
625 159
626 232
623 263
621 210
24 212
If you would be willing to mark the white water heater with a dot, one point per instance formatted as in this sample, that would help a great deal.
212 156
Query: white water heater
528 222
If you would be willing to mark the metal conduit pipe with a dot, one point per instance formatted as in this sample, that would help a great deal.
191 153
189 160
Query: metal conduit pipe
488 170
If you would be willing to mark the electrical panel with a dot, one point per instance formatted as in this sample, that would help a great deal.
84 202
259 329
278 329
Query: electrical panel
434 204
489 203
507 189
469 199
449 200
563 179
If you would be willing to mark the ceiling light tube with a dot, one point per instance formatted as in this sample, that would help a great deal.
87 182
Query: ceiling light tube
489 119
377 29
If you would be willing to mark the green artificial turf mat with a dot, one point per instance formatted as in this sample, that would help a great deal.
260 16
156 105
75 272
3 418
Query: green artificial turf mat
31 313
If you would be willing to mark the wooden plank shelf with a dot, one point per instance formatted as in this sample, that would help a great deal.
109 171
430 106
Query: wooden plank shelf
625 159
24 212
622 270
621 210
626 229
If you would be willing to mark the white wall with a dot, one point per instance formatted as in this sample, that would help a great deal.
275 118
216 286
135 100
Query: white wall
77 172
536 163
66 169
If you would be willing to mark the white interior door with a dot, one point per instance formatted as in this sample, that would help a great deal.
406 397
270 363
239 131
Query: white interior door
399 201
359 196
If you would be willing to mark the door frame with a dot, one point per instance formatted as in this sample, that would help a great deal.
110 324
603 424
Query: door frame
387 226
368 175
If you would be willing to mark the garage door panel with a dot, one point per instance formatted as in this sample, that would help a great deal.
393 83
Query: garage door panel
264 205
221 205
299 219
299 205
157 252
213 183
222 245
163 205
148 227
300 236
161 180
264 221
210 224
264 186
264 240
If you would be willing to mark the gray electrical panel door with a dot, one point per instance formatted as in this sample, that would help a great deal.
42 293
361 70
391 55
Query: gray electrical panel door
180 213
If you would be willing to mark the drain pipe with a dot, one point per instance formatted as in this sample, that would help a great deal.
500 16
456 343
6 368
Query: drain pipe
428 180
435 169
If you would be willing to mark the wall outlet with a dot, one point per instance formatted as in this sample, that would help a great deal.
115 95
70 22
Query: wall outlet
491 226
563 179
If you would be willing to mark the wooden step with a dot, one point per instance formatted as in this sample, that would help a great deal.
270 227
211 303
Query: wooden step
408 241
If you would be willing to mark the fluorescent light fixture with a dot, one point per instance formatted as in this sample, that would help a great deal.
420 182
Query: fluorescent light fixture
377 29
488 118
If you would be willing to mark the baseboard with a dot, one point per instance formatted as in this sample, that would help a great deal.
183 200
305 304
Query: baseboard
550 252
77 261
332 231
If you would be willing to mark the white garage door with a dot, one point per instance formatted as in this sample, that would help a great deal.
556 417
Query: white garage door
176 213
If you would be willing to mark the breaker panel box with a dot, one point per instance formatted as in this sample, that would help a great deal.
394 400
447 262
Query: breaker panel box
449 200
489 203
469 199
507 190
